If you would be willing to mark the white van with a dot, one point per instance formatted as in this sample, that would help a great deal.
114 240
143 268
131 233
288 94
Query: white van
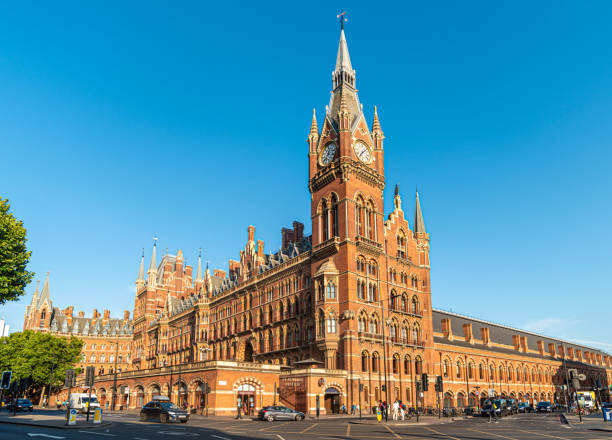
79 402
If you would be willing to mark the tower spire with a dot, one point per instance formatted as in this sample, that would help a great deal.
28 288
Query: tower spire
199 271
419 224
141 276
44 294
314 128
152 272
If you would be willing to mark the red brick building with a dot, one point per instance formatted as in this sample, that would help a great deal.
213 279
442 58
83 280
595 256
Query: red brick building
348 306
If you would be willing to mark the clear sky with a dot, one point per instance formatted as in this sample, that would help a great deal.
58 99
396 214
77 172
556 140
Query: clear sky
122 120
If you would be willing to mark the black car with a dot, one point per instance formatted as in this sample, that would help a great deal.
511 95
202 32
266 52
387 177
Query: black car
20 405
271 413
544 407
512 406
164 412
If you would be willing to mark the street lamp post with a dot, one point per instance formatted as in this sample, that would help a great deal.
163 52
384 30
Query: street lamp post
115 375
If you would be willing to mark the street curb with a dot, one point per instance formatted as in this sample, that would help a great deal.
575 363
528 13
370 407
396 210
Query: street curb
42 425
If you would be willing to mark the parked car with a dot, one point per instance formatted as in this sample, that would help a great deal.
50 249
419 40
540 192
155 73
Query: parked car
544 407
512 406
271 413
525 407
20 405
164 412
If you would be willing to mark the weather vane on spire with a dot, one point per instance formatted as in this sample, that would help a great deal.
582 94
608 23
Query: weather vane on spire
342 18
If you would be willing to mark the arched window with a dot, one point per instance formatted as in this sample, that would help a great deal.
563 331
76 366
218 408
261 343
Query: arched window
331 290
480 371
460 400
361 289
374 362
270 340
459 368
445 368
470 371
370 221
281 310
415 305
372 293
359 216
364 361
407 365
401 245
395 364
331 324
281 338
404 304
416 335
334 215
418 366
325 219
321 324
361 324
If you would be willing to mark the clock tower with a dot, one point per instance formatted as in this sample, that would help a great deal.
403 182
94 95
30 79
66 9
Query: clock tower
346 182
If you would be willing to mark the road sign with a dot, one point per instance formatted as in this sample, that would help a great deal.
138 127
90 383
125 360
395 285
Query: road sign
72 417
98 415
491 392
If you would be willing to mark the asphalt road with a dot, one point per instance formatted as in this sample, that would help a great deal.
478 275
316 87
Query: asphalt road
519 427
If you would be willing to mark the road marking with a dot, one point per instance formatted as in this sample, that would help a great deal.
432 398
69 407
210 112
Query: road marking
98 433
441 433
490 433
280 436
348 430
218 436
309 428
44 435
544 435
391 431
140 438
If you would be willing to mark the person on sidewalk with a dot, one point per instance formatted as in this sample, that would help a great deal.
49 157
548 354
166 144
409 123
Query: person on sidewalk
402 409
353 409
343 409
395 410
493 412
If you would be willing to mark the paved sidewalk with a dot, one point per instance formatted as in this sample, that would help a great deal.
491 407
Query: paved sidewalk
51 419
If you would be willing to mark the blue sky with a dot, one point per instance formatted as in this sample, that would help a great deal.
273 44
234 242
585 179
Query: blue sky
188 120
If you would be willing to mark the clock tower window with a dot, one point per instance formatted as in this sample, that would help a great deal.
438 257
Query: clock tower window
334 215
325 212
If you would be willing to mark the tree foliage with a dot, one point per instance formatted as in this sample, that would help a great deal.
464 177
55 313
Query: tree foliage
14 256
34 355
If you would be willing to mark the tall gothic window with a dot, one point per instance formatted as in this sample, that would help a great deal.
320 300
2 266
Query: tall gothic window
331 324
334 216
359 217
325 220
331 290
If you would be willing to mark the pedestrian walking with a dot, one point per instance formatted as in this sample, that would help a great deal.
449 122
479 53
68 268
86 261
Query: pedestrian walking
395 410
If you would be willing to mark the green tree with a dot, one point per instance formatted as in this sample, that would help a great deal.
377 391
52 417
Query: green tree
14 256
34 355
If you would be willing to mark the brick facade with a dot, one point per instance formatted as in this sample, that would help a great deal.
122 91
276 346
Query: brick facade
349 305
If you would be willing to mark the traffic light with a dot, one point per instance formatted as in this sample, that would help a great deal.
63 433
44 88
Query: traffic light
6 380
439 384
424 380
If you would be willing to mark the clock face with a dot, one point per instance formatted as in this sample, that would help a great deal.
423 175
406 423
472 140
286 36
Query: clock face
328 153
363 153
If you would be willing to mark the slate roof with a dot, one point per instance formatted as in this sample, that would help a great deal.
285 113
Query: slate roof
498 333
89 326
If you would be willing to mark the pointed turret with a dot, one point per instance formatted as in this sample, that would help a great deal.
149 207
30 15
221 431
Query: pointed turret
397 200
35 295
152 272
419 224
44 294
377 133
140 281
198 277
314 128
